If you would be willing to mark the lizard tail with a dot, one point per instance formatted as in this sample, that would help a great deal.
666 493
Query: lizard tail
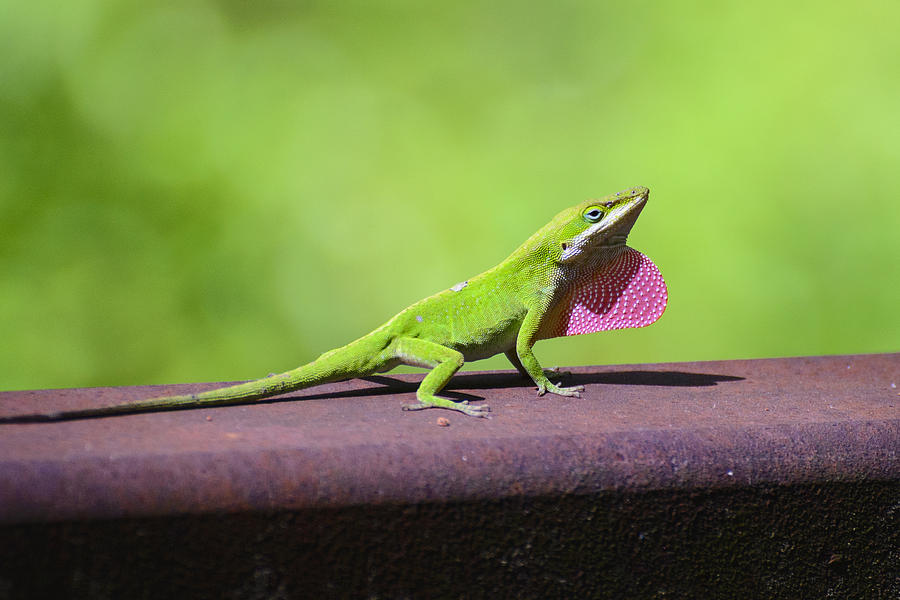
317 372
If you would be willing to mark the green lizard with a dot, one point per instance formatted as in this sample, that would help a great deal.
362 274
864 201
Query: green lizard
575 275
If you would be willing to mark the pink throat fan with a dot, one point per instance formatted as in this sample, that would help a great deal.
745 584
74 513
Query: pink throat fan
629 292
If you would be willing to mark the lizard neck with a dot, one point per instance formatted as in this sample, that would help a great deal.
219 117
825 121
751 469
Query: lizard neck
597 260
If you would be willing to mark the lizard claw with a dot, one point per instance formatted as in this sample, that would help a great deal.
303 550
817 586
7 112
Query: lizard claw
570 392
480 410
473 410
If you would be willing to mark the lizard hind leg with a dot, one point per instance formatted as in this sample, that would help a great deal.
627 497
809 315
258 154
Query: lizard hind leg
444 362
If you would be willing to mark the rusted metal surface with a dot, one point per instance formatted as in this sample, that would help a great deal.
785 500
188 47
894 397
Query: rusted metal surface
830 540
755 479
637 428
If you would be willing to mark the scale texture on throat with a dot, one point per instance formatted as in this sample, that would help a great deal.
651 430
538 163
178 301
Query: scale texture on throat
629 292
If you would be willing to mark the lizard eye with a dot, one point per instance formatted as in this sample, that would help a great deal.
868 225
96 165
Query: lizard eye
593 215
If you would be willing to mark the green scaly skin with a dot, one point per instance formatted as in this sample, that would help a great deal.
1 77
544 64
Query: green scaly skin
505 309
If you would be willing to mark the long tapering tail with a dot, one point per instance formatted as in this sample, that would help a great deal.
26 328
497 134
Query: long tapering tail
357 359
307 375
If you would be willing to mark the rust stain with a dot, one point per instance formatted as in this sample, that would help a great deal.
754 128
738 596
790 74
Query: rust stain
726 423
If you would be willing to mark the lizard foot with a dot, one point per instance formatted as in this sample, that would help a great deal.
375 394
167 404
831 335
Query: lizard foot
571 392
480 410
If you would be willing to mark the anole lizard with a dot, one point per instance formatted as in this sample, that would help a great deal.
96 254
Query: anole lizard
575 275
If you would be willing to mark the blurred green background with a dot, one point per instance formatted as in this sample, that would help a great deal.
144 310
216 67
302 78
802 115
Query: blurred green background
202 191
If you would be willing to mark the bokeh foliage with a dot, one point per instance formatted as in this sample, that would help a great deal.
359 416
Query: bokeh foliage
201 190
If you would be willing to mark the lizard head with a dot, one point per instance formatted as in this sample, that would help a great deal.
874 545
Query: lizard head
597 282
584 230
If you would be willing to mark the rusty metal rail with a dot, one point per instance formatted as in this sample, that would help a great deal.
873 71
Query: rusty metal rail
660 438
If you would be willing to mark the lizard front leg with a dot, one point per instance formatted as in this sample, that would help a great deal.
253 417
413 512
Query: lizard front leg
443 362
528 362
